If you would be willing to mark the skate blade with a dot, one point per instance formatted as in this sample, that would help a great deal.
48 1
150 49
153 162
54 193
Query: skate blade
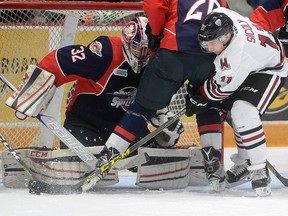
240 182
218 186
263 191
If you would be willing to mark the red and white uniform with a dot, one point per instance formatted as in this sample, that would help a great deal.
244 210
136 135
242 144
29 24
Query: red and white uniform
251 50
249 74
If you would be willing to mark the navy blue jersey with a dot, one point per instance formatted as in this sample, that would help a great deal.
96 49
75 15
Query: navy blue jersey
106 84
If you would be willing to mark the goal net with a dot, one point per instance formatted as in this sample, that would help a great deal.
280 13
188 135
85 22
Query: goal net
30 30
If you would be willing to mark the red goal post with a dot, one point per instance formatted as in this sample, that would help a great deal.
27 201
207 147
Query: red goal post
30 30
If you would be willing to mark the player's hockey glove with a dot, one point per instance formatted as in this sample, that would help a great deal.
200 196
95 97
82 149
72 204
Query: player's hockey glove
107 154
170 135
153 40
194 102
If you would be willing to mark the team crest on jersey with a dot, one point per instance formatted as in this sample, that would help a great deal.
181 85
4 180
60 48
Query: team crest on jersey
224 65
96 47
123 98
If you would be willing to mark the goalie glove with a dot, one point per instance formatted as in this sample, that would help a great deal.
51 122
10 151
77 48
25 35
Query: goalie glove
170 135
34 93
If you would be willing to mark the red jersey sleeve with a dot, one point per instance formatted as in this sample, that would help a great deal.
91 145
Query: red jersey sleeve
50 64
156 11
269 20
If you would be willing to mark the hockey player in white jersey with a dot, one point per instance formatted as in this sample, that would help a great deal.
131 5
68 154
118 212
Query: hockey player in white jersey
271 15
250 70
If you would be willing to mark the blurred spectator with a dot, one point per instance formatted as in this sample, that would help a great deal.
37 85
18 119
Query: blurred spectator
240 6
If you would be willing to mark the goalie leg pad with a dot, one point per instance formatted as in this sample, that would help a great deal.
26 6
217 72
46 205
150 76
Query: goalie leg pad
197 174
166 169
13 175
172 169
63 167
34 93
52 167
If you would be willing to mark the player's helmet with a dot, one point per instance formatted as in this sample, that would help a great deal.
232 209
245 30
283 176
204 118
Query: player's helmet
135 43
215 25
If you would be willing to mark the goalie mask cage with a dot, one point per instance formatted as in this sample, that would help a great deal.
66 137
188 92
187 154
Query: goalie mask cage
30 30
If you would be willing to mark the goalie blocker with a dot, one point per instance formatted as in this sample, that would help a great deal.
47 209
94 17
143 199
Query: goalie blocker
60 169
33 94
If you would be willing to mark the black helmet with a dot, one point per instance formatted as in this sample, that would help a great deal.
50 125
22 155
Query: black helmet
215 25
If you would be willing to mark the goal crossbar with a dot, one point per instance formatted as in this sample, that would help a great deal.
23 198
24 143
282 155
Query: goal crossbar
75 5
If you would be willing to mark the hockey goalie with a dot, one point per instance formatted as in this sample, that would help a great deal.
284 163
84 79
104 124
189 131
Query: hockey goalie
159 165
107 73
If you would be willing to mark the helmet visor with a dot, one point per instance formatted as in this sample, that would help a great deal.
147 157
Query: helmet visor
212 45
140 51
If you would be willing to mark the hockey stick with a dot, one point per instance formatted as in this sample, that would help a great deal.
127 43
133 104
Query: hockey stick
64 135
282 179
17 157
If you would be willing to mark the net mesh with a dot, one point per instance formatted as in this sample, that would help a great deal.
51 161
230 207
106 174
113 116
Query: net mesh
26 36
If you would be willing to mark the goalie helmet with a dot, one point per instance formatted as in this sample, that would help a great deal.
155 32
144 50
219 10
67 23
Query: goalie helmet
215 25
135 43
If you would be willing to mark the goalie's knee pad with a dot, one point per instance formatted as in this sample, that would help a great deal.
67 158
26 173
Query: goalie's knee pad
34 93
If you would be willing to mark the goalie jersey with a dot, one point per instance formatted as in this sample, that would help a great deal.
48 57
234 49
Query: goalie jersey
106 84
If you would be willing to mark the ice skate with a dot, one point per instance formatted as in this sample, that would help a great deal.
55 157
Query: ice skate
238 174
260 179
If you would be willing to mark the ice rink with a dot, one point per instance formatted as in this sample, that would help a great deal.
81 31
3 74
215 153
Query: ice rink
127 199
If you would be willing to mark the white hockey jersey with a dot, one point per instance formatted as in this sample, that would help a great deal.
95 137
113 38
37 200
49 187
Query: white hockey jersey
251 50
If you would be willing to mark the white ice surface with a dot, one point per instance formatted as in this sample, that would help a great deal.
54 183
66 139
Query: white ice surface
127 199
